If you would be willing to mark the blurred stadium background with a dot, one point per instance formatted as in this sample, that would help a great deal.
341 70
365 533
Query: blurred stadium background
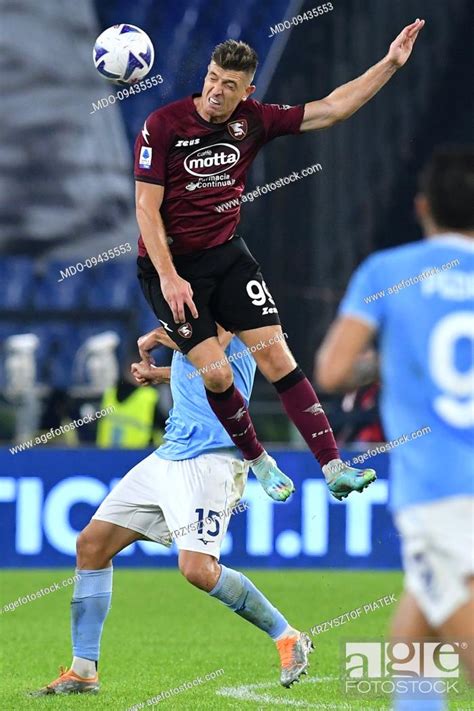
67 196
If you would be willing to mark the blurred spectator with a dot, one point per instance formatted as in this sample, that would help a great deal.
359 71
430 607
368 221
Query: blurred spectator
137 420
21 388
58 409
363 418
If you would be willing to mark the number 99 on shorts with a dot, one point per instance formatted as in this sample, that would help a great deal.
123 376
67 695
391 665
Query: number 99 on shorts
259 295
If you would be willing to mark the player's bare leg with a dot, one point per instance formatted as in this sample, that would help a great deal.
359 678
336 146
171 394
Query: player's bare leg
460 626
98 543
239 594
276 362
201 570
410 625
230 409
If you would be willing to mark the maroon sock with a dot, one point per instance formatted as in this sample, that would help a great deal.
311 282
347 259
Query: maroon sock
230 409
302 406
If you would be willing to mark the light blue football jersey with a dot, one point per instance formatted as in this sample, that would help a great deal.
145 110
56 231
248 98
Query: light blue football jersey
426 333
192 428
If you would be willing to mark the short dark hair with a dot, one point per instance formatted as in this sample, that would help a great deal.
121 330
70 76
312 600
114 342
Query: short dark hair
447 181
236 55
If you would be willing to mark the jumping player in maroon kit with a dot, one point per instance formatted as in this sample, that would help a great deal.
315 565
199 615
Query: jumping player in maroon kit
192 155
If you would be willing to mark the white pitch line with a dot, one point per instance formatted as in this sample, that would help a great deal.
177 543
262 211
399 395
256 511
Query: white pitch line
246 692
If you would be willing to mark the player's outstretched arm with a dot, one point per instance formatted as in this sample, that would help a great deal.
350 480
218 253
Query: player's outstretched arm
177 291
348 98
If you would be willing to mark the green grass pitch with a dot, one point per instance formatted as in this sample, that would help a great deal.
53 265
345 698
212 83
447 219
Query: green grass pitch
161 632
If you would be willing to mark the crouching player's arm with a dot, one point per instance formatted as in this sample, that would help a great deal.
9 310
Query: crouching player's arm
149 374
224 337
152 340
145 372
158 337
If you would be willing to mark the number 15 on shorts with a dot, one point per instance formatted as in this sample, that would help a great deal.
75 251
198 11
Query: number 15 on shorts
212 517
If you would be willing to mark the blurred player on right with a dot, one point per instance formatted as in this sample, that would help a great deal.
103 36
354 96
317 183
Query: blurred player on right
425 326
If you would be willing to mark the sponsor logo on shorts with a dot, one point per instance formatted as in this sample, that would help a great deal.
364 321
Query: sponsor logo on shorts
238 129
186 330
165 326
212 160
145 157
204 541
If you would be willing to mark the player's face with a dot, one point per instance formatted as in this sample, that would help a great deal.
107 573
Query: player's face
223 89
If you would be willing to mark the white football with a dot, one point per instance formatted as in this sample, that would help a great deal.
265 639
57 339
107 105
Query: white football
123 54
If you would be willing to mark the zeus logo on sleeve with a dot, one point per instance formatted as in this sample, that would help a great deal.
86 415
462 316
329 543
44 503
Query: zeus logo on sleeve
187 142
145 157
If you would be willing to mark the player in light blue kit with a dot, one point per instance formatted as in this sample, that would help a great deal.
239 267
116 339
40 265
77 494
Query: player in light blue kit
419 299
185 490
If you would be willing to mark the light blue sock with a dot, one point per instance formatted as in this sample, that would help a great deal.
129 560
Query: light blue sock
422 702
240 594
89 607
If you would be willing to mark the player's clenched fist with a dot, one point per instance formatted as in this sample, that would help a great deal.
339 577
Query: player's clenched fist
147 374
178 293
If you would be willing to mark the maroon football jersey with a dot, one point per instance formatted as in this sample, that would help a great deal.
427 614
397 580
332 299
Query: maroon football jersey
203 164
